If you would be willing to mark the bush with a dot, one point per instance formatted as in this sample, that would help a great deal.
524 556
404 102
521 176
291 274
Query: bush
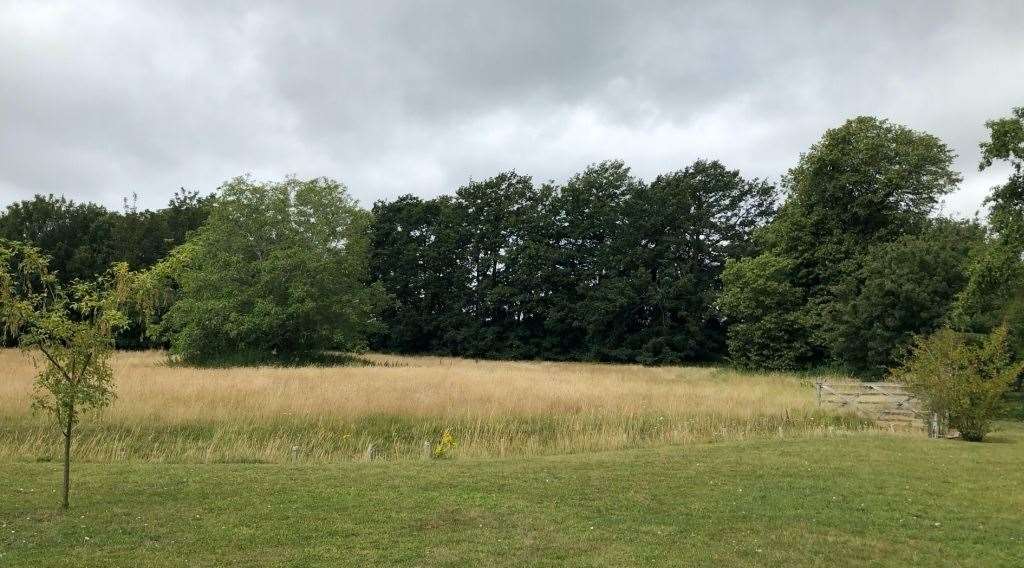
961 379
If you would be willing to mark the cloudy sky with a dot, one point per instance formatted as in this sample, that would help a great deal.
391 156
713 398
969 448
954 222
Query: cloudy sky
102 99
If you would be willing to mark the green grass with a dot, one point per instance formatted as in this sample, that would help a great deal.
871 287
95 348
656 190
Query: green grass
860 499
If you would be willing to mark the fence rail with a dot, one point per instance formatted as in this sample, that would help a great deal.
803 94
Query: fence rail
889 404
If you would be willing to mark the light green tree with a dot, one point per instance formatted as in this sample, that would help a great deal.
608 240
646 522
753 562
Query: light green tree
961 380
71 328
278 272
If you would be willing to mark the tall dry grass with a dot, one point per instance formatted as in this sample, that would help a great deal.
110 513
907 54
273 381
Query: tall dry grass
271 414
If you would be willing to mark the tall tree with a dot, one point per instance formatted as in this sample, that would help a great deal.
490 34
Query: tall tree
77 237
279 270
501 220
995 291
586 215
899 290
604 267
670 249
865 183
414 254
83 239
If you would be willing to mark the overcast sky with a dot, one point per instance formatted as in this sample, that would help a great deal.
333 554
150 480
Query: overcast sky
101 99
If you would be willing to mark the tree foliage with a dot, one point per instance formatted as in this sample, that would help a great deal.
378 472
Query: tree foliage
994 293
278 269
694 265
765 310
71 326
679 232
864 185
83 240
898 290
960 379
605 267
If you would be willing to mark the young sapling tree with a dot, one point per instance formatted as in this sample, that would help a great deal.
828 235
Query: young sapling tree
71 331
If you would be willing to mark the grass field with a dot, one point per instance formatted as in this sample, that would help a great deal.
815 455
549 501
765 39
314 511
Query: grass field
865 499
492 409
555 465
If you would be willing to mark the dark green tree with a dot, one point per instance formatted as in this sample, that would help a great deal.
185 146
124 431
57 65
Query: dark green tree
77 237
899 290
414 254
502 218
658 303
605 267
83 239
582 288
864 184
767 327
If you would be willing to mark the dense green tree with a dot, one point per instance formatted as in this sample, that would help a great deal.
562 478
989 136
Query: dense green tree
585 257
185 212
279 270
462 269
764 312
864 184
501 220
77 237
415 246
995 291
900 289
84 239
657 305
604 267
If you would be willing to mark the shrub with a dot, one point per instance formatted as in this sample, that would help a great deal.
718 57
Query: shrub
961 379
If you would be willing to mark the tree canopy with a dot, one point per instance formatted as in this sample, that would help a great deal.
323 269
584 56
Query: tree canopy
864 185
605 267
278 268
994 293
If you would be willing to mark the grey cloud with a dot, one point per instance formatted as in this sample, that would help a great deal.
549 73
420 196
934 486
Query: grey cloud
101 99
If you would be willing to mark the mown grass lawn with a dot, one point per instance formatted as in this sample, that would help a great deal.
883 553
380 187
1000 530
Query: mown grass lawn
853 501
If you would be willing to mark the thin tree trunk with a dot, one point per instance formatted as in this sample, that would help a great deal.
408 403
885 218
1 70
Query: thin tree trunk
67 466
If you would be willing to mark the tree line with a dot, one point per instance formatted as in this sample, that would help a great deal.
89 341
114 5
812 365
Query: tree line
605 267
842 264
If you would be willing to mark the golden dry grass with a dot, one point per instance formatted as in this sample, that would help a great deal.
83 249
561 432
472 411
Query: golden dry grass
271 414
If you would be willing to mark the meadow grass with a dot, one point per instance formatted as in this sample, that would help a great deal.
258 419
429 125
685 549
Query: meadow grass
168 413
